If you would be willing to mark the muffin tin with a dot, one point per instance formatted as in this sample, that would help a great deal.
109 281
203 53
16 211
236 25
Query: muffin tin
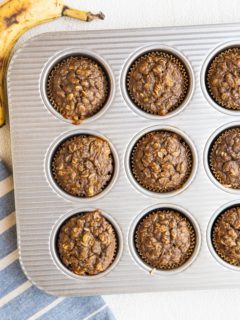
37 129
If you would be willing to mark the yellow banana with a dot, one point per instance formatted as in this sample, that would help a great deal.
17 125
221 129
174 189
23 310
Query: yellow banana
18 16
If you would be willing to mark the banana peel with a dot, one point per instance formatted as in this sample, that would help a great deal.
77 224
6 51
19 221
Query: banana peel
18 16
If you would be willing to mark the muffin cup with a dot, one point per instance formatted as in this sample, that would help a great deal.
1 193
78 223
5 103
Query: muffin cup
128 160
56 178
213 146
163 190
210 70
56 256
219 253
51 177
187 255
115 249
207 154
173 59
63 56
174 269
206 90
218 256
51 75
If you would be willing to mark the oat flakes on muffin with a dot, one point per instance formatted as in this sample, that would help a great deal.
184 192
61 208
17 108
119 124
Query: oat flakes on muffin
77 88
161 161
87 243
226 236
223 78
165 239
83 165
224 158
157 82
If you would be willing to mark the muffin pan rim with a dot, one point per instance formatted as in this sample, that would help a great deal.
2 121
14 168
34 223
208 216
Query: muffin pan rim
53 249
213 252
203 74
75 51
48 160
206 151
128 170
127 277
131 242
147 49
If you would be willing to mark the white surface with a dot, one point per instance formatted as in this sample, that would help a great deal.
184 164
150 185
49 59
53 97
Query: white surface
144 13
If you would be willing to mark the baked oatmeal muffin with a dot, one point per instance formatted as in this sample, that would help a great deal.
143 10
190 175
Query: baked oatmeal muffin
83 165
157 82
78 88
165 239
223 79
161 161
87 243
226 235
224 157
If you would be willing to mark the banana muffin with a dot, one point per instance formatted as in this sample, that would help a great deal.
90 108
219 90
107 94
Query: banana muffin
158 82
87 243
165 239
225 158
78 88
161 161
223 79
83 165
226 236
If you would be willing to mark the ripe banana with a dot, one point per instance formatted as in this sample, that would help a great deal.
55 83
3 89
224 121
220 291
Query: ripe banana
18 16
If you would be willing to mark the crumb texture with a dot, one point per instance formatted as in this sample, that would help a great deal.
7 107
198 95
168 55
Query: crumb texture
83 165
165 239
161 161
87 243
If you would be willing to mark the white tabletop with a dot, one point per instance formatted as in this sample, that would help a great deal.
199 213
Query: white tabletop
185 305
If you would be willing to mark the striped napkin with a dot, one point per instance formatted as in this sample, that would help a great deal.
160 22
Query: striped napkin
19 299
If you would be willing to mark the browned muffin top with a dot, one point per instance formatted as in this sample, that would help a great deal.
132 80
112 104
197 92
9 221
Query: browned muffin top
157 83
87 243
225 158
78 88
83 165
226 236
161 161
165 239
224 79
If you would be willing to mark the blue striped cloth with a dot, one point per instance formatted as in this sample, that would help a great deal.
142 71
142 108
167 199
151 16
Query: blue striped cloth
19 299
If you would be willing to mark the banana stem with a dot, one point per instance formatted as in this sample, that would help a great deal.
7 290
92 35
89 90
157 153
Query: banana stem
81 15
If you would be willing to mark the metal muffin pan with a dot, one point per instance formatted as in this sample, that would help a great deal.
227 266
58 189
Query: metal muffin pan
36 128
